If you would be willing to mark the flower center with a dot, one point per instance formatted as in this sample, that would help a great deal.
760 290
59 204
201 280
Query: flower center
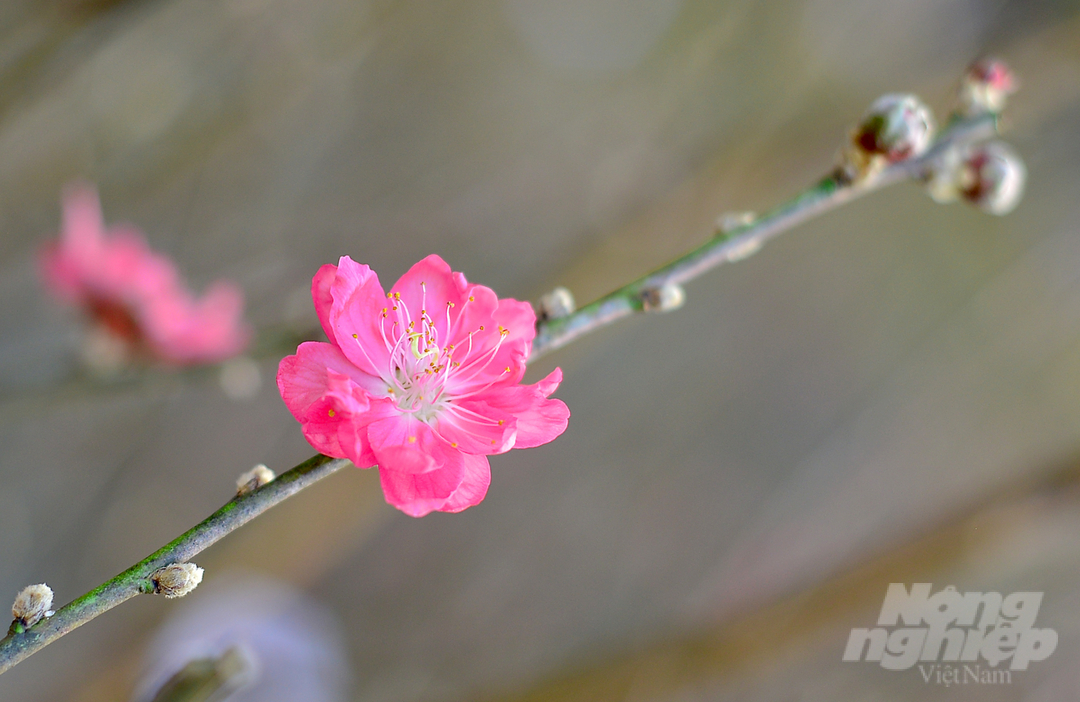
116 319
423 365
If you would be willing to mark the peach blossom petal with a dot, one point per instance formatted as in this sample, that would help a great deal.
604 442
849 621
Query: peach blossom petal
474 485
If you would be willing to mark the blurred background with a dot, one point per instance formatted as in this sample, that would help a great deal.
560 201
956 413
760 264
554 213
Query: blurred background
890 393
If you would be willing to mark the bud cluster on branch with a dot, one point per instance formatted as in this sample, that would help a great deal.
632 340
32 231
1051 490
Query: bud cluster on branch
899 127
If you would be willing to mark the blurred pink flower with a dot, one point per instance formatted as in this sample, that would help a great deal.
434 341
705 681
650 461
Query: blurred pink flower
135 294
422 381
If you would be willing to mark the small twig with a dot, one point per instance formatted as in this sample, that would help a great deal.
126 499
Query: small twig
136 579
830 192
729 245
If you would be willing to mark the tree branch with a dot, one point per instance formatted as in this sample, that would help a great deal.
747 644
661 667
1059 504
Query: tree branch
730 245
734 244
238 511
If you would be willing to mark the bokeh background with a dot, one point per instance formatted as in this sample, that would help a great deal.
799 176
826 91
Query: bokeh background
890 393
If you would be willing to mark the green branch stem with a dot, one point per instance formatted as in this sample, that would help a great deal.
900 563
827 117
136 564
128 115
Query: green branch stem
736 243
18 645
727 245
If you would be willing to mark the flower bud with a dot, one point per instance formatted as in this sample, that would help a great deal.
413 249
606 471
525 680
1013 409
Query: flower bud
728 224
555 304
896 127
731 221
992 178
32 604
176 579
253 479
985 87
665 298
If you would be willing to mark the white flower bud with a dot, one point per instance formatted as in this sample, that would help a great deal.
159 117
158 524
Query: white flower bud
555 304
992 178
32 604
665 298
176 579
985 87
895 128
253 479
730 221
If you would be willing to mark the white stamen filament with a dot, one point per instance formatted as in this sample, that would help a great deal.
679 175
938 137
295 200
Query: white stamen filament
419 367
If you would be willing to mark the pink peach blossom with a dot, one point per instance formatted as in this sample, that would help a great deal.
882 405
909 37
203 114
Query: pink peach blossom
136 294
423 382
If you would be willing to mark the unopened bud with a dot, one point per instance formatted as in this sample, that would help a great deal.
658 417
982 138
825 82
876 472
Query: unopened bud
732 221
32 604
896 127
176 579
728 224
253 479
664 298
992 178
555 304
985 87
